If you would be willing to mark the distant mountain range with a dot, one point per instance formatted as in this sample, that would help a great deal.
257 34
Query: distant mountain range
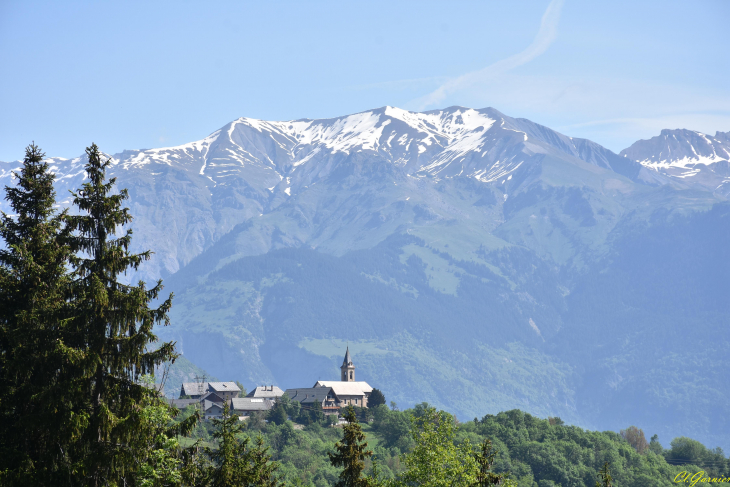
474 260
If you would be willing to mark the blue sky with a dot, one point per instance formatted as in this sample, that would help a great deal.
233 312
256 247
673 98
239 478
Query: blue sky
130 75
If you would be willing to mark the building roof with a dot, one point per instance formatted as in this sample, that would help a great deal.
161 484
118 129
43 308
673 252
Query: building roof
213 397
183 403
348 359
250 404
194 388
308 394
266 391
223 387
208 405
345 388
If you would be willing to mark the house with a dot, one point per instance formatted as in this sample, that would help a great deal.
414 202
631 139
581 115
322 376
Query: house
308 396
266 392
226 390
193 390
211 409
245 406
197 390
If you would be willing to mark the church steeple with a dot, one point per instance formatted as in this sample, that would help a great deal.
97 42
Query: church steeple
348 369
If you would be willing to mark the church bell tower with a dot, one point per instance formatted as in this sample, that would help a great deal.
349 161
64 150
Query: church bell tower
348 369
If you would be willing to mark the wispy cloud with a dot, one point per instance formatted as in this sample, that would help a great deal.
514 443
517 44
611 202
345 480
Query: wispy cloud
545 36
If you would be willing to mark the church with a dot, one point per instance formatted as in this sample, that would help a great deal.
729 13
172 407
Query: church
332 395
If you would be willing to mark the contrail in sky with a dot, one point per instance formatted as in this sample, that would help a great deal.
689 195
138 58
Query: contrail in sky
545 36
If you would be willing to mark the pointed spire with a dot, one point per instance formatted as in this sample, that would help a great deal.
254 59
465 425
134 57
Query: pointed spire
348 359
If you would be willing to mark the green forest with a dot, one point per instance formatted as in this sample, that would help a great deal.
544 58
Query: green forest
529 451
79 404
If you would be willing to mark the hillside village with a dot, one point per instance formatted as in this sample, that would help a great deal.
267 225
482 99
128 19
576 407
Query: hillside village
330 396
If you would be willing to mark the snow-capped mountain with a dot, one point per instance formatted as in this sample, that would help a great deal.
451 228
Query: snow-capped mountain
482 144
303 175
695 158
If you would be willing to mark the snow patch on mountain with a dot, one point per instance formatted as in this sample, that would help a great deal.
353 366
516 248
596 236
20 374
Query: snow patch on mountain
689 164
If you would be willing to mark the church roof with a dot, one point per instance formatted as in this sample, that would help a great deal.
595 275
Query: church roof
348 359
346 388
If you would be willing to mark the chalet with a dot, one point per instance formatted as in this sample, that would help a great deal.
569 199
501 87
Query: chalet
311 395
211 409
226 390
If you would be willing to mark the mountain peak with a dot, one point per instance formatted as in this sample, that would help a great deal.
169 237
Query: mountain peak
687 156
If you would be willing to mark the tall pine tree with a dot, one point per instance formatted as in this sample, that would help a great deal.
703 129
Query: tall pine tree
35 426
112 325
351 453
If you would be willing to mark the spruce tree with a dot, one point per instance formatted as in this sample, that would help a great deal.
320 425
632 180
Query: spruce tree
375 399
604 475
351 453
485 459
112 325
236 463
35 427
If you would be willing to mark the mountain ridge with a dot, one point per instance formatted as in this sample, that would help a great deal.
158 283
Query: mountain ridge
687 155
250 167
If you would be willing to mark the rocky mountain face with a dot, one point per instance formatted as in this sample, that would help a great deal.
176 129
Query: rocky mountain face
694 158
185 198
472 260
